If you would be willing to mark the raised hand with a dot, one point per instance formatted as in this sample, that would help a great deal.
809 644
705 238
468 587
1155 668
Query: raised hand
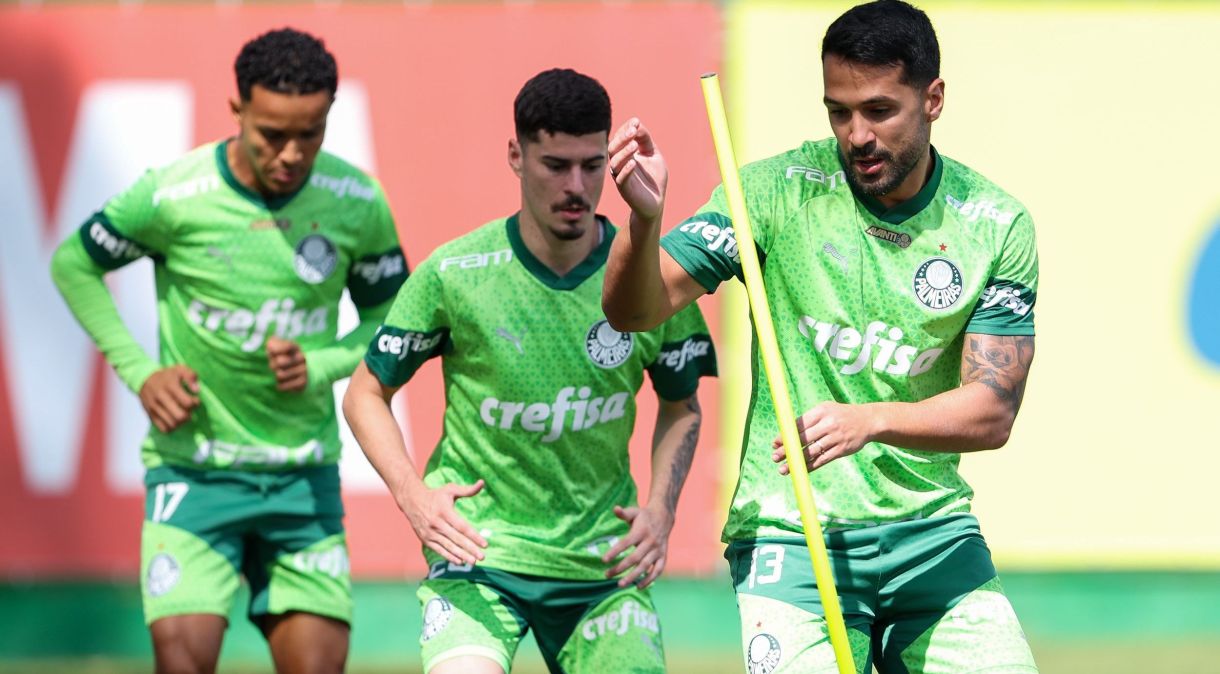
639 170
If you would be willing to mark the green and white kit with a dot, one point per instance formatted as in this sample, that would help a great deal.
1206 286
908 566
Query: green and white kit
232 269
870 305
540 395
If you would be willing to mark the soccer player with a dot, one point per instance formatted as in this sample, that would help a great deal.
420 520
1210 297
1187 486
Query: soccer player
253 239
902 285
527 509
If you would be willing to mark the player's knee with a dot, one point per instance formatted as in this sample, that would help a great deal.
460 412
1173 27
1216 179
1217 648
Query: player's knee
187 644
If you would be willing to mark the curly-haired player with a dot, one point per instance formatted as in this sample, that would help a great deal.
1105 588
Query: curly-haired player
254 239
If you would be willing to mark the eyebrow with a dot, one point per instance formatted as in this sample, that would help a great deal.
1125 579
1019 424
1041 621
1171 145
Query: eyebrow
826 100
586 160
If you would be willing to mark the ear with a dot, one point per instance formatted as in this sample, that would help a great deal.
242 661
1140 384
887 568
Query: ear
235 108
515 156
934 99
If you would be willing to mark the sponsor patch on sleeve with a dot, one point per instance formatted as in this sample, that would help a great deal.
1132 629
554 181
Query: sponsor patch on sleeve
106 245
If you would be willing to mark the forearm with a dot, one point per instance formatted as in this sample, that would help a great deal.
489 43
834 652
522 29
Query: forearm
966 419
332 363
80 282
368 414
673 450
633 293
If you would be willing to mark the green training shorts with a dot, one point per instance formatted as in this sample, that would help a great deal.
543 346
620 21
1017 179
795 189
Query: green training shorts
918 597
580 626
282 531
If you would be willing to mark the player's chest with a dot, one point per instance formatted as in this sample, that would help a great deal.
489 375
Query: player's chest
840 267
518 328
230 249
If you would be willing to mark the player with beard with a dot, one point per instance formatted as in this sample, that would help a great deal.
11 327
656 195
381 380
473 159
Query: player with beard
902 284
527 509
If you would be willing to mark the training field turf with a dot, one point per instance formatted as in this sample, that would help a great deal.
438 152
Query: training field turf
1077 623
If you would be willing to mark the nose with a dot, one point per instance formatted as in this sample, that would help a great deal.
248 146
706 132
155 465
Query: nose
291 154
860 132
573 182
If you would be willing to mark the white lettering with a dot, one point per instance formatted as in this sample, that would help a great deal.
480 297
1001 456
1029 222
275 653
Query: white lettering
533 417
845 343
477 260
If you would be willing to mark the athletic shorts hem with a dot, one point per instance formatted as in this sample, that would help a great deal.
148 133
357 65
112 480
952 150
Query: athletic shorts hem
469 649
151 617
340 614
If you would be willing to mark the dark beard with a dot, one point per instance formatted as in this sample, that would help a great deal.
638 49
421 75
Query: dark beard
900 167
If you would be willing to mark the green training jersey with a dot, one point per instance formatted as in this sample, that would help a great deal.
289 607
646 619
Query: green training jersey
539 392
233 268
869 305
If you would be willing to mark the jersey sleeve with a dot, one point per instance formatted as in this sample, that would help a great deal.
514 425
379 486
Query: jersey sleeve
1006 306
379 267
686 354
127 228
416 329
705 245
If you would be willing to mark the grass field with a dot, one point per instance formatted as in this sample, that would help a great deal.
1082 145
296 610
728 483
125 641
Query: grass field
1098 657
1077 623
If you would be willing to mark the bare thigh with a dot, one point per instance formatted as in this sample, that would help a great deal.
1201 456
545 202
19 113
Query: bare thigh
188 644
305 643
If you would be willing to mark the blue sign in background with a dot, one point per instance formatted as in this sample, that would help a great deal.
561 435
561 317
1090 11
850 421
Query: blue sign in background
1203 312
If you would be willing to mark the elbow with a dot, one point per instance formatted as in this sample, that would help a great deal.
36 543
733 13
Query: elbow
996 434
625 321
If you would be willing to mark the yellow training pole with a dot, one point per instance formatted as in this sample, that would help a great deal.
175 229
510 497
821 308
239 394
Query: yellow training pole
774 365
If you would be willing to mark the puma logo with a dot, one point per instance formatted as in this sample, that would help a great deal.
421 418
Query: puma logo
516 341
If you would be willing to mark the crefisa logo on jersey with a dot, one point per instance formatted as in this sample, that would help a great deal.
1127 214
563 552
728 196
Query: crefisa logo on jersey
437 613
606 346
163 574
315 259
938 283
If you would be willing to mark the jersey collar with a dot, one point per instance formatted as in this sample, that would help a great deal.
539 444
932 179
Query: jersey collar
543 273
900 213
270 203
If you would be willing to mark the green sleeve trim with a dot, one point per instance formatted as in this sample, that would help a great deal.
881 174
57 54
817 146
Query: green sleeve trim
79 279
375 279
1005 308
679 365
395 354
108 248
706 247
328 365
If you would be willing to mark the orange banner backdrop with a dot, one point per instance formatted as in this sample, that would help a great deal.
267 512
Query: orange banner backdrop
429 94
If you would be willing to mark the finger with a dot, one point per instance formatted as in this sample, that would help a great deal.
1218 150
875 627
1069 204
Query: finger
624 135
188 377
465 547
636 558
653 573
182 397
464 490
170 410
621 545
644 139
296 383
464 527
290 373
445 548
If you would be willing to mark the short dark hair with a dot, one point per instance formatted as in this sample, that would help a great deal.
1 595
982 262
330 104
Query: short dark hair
286 61
561 100
887 33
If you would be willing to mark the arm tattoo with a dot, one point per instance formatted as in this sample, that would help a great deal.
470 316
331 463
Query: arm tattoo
1000 362
684 456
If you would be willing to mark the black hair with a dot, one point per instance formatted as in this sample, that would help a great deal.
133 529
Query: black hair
286 61
887 33
561 100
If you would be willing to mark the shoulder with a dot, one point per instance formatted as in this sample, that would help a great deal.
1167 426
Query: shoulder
978 202
810 170
483 248
344 181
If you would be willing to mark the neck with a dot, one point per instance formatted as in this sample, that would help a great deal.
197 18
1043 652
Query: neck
240 167
559 255
915 180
